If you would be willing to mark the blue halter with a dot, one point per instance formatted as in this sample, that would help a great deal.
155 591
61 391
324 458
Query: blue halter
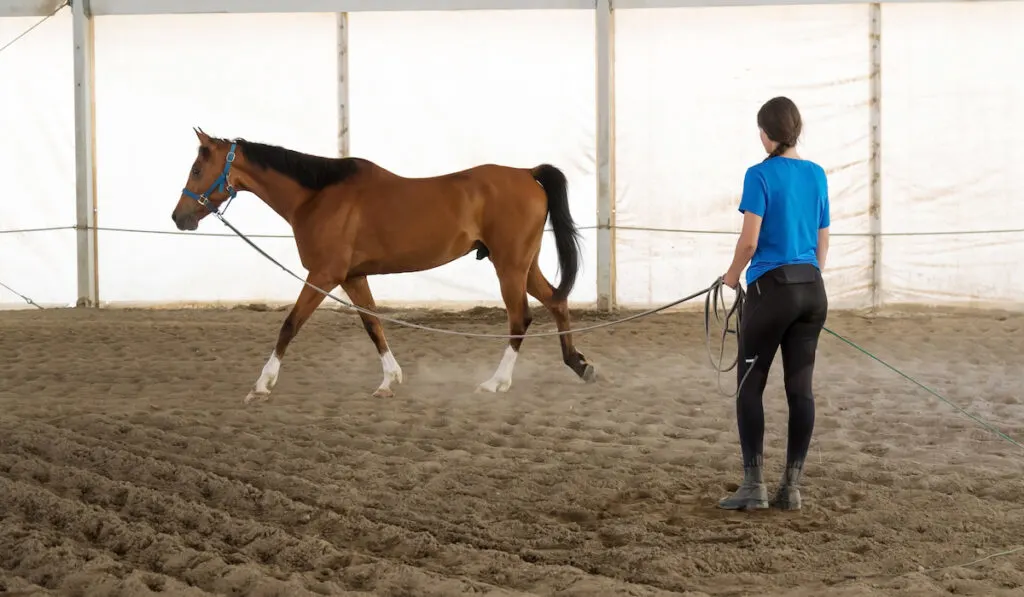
220 184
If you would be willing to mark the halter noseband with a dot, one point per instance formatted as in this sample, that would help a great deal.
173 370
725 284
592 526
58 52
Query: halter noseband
220 184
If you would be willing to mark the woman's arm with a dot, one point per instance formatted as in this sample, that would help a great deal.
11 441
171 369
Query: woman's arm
753 204
824 222
745 247
822 251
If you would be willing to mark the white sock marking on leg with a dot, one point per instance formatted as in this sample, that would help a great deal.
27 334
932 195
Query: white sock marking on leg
268 377
502 378
392 372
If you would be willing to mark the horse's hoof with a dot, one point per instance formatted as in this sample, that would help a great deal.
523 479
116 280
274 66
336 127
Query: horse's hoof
384 393
254 396
494 386
589 374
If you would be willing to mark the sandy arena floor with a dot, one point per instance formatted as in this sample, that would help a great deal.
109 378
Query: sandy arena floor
130 466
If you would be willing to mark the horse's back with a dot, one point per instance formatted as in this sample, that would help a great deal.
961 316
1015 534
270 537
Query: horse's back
479 201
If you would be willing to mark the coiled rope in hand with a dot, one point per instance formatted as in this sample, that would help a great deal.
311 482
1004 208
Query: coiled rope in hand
714 305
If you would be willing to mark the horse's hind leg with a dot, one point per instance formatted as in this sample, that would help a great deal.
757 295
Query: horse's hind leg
307 302
513 292
358 289
539 288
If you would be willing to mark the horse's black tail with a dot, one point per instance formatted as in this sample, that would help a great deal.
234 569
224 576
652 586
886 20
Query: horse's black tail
567 237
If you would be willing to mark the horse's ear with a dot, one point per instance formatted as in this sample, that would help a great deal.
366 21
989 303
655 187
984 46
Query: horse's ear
203 137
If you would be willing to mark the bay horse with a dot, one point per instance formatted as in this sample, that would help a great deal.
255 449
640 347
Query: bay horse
352 218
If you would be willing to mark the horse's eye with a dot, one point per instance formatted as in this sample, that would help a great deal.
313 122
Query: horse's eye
195 170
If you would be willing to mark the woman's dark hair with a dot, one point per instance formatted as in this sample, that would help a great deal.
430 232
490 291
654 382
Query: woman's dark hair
780 120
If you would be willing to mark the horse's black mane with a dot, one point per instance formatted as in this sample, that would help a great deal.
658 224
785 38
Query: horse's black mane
311 171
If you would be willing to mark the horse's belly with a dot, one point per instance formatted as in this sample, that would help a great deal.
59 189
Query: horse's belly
413 258
411 236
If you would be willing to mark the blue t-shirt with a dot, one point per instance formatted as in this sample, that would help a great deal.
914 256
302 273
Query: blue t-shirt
791 196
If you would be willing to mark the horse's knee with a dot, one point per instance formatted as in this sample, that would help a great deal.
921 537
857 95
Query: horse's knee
559 308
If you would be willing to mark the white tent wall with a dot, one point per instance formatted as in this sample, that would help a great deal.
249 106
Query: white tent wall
435 92
953 123
422 105
432 92
263 77
689 82
37 162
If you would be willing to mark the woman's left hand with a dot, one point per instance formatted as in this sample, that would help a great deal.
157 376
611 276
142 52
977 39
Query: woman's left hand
731 280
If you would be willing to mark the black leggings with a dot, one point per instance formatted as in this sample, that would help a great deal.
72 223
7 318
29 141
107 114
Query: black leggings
785 307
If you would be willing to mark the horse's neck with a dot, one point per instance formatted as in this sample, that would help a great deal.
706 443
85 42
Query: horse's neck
281 194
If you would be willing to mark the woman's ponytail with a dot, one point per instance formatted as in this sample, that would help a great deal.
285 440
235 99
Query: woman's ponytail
778 151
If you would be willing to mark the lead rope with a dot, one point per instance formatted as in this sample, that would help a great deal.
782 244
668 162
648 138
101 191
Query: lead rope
714 301
604 324
714 304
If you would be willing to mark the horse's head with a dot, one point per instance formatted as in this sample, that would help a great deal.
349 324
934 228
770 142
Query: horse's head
208 185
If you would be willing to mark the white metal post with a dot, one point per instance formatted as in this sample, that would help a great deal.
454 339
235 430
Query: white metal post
85 155
343 140
875 15
605 31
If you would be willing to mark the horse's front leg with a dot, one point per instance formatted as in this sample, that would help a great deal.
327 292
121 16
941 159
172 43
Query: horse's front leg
358 289
307 302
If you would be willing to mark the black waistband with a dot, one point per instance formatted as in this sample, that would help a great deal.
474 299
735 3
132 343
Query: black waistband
784 275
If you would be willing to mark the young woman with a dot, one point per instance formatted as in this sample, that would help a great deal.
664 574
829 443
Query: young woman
785 240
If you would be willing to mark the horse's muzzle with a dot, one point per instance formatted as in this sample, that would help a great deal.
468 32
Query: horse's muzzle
185 222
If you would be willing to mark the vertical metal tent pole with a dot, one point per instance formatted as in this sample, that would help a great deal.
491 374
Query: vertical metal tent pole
605 45
875 211
344 149
85 155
